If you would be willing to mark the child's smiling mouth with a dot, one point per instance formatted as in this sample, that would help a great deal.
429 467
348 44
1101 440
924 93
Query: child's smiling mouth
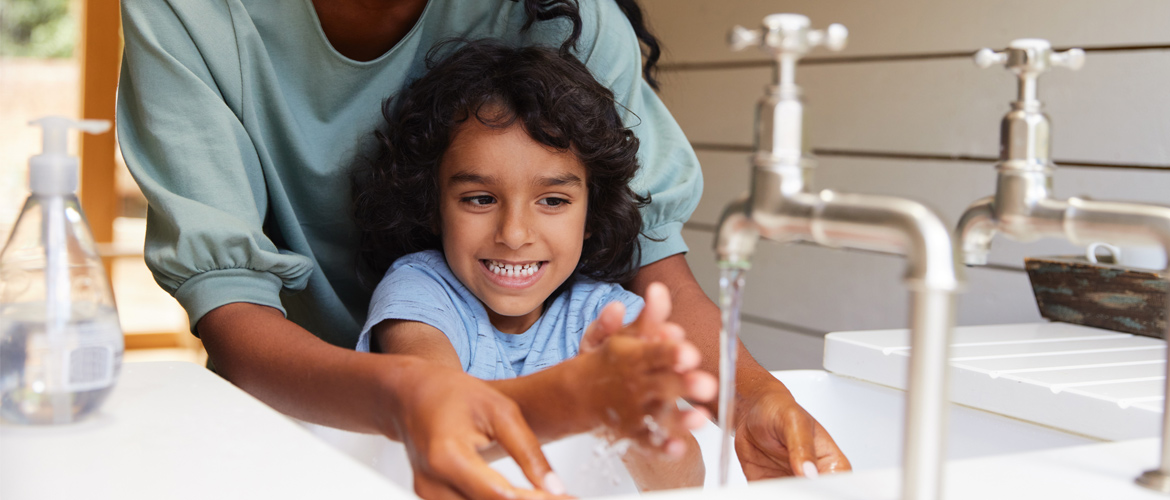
513 275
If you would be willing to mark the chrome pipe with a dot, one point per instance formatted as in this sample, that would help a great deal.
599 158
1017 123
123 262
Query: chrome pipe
932 319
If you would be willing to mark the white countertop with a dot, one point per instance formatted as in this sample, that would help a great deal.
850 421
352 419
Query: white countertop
1091 472
1094 382
173 430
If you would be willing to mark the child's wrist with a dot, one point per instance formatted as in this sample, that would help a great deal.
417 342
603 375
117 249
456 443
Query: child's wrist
578 383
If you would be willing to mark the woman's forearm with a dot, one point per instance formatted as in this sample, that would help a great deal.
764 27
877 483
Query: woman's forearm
256 348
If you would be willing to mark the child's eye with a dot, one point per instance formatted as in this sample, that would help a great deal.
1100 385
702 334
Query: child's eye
480 200
554 202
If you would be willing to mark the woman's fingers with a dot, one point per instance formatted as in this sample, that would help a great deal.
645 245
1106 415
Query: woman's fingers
802 454
467 473
519 441
430 489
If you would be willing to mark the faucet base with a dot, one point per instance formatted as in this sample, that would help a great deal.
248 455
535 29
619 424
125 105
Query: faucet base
1157 480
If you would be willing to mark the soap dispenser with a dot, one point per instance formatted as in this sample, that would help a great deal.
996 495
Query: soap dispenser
60 341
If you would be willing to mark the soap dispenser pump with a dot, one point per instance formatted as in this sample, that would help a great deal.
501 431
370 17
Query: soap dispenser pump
60 342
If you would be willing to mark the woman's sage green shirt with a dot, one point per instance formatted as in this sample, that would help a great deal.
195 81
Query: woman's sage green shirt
240 123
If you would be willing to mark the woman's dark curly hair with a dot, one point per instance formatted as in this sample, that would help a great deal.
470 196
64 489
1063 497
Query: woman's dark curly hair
543 10
559 104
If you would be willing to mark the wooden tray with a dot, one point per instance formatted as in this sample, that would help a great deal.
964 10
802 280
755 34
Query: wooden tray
1073 290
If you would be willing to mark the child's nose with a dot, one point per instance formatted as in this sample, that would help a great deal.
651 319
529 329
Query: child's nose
515 229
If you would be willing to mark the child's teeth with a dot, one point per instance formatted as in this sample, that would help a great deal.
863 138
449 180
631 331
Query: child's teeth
513 270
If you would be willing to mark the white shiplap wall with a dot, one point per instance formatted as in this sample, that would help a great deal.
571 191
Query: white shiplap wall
906 85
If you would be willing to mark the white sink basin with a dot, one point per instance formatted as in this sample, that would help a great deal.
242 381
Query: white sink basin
865 419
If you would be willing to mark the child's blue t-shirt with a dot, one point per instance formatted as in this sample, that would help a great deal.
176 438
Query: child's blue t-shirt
420 287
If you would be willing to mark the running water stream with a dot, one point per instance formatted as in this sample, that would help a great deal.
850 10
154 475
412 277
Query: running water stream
730 298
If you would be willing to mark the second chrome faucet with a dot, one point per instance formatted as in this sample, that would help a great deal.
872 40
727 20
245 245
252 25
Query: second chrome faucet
1023 209
780 205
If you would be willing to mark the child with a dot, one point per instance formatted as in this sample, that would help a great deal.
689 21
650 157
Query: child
502 201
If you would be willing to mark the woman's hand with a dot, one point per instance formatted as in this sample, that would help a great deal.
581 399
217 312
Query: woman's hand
773 431
445 417
775 437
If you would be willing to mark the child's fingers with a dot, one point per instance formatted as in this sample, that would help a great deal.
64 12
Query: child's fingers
688 357
672 332
695 419
654 313
608 323
679 357
700 386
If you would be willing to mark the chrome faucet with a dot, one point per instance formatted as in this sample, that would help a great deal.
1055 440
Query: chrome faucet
1022 207
781 206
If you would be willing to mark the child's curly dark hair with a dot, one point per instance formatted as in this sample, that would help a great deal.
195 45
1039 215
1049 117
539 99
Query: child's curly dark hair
557 101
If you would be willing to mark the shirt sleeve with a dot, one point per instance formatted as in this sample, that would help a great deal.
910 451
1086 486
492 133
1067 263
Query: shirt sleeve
593 297
415 293
178 103
669 168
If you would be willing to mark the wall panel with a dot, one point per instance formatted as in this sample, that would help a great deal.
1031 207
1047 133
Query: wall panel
947 187
1113 110
696 30
906 86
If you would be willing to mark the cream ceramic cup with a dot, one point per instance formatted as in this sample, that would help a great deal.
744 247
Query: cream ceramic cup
1143 257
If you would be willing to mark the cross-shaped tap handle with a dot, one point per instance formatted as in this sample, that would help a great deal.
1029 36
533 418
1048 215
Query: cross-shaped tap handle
788 34
1030 56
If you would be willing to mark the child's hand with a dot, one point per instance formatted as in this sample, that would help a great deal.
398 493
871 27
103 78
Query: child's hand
631 386
636 374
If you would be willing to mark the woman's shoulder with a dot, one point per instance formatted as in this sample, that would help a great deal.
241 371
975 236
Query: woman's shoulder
154 12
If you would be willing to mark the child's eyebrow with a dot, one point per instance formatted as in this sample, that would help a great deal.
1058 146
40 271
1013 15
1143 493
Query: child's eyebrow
566 179
470 178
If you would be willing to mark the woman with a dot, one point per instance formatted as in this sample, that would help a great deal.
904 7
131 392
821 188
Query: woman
239 120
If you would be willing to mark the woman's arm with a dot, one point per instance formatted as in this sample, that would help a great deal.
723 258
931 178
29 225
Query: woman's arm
614 385
414 338
442 415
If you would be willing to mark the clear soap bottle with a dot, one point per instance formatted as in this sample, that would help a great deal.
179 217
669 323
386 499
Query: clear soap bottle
60 341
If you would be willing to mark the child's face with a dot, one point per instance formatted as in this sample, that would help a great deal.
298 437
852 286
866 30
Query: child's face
507 200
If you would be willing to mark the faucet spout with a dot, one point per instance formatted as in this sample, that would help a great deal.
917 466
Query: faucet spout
933 276
736 237
977 228
904 227
781 207
892 225
1024 210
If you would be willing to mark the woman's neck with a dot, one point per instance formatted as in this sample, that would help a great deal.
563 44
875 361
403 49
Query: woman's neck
363 30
